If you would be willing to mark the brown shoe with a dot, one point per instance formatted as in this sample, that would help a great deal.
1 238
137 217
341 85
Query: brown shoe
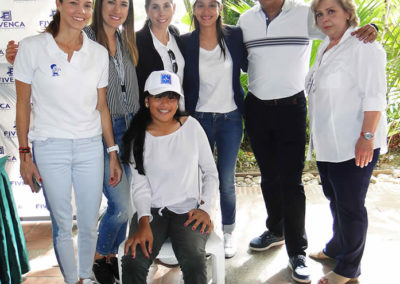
319 255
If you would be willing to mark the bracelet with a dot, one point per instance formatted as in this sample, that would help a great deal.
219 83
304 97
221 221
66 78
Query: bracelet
112 149
24 150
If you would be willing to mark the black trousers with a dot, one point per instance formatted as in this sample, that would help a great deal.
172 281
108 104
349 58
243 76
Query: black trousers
189 247
346 186
277 132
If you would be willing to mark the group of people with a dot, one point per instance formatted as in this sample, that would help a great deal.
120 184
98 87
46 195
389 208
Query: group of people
168 102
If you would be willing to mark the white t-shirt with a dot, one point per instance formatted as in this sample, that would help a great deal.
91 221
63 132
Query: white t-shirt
64 94
172 163
215 72
163 52
346 81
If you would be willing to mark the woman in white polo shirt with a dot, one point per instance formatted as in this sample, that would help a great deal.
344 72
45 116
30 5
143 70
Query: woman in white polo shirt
64 74
347 96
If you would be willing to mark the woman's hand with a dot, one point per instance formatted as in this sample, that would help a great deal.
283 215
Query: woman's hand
115 170
11 51
143 236
367 33
364 152
28 170
201 217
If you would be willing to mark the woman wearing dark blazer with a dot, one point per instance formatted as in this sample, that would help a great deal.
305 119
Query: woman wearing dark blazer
214 55
158 43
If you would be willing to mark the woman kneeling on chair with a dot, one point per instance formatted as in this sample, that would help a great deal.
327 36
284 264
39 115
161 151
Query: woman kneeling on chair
166 150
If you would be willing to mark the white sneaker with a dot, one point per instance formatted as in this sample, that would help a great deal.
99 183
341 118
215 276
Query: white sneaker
87 281
229 245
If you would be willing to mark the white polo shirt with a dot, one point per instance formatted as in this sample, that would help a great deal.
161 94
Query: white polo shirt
278 53
64 94
346 81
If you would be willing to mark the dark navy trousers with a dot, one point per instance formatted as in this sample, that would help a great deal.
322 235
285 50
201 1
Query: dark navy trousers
346 186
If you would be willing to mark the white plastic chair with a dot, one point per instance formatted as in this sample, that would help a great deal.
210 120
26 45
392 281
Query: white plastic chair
214 247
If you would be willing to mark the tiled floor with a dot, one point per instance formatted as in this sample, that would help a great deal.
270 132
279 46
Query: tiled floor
380 261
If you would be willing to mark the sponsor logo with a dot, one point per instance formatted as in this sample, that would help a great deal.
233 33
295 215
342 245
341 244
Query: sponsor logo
2 53
7 21
11 133
1 150
45 23
5 106
12 159
10 78
55 70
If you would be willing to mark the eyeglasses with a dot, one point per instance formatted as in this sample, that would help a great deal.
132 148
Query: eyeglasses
173 60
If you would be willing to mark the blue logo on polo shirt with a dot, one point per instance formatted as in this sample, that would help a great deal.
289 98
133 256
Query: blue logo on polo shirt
55 70
5 106
7 21
166 79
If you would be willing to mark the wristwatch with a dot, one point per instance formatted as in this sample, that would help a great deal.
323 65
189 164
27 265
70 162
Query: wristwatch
112 149
367 135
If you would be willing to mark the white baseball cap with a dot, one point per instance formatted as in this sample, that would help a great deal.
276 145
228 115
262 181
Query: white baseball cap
219 1
159 82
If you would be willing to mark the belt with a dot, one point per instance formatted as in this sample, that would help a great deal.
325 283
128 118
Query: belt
292 100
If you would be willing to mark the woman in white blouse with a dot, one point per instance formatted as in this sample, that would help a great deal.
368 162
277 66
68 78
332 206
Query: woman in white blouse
347 101
166 151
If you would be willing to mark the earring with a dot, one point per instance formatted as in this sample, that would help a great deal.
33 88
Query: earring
146 105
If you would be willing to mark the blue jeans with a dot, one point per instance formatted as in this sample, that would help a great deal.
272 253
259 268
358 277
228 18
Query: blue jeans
63 163
112 228
224 130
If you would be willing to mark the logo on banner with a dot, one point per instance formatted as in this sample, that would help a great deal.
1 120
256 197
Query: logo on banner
12 159
1 150
2 53
5 106
45 23
11 133
8 23
10 78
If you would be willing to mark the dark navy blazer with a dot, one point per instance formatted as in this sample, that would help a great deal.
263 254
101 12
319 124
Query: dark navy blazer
149 58
233 39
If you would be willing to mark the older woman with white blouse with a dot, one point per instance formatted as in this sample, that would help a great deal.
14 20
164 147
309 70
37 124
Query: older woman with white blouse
347 101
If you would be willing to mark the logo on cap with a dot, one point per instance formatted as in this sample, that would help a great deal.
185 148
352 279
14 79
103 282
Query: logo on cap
166 79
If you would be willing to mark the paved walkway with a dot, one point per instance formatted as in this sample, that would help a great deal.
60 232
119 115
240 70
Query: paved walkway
378 266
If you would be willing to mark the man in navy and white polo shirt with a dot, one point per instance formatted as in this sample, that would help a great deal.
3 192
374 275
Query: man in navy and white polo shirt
277 34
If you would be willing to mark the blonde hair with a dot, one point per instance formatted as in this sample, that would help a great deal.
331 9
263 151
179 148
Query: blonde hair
347 5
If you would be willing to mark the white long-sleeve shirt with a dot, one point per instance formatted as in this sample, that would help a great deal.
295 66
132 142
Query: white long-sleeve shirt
172 163
344 82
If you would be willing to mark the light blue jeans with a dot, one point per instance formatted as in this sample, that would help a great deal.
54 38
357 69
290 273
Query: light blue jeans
112 228
224 132
63 163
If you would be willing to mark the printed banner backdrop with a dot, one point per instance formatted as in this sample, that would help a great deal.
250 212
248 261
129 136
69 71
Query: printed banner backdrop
18 19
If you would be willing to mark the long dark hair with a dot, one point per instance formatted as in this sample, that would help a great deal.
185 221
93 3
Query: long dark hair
134 137
54 26
128 29
220 28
